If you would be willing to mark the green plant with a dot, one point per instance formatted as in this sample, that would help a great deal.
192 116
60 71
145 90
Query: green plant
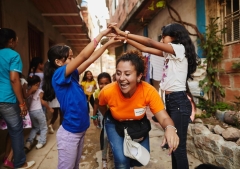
207 106
211 108
223 106
212 47
236 65
237 103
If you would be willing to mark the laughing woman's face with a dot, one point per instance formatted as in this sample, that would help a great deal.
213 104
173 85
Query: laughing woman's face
126 77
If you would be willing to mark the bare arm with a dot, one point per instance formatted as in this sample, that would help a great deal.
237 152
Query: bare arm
44 103
142 47
103 109
95 109
27 93
170 133
85 53
93 57
17 88
146 41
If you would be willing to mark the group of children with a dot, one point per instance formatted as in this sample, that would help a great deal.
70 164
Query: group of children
61 81
37 106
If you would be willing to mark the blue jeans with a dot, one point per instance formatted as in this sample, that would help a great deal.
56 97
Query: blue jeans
39 123
11 114
179 109
116 142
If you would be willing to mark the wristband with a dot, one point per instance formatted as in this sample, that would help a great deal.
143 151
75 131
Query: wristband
22 105
126 37
94 117
171 127
95 42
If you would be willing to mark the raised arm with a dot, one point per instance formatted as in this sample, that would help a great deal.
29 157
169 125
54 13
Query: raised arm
144 40
85 53
141 47
95 56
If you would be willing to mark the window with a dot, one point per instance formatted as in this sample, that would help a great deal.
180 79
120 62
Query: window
35 42
231 21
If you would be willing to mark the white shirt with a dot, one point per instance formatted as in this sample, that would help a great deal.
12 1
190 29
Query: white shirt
54 103
22 80
175 70
156 67
35 101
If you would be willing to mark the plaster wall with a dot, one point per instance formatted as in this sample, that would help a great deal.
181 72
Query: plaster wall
16 15
185 8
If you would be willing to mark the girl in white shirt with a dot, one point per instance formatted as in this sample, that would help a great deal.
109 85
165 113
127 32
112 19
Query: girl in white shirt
36 113
180 63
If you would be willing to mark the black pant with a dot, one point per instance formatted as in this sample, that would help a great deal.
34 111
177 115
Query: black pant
55 115
179 109
91 100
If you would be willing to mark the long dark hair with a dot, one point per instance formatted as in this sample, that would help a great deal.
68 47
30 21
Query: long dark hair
34 64
85 76
181 36
5 35
59 52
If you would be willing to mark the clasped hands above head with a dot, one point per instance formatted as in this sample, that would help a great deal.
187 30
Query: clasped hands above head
116 33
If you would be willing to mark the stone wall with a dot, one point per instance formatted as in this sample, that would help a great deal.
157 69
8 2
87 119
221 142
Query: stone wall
209 147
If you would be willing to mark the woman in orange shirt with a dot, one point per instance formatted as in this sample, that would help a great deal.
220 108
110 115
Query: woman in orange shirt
128 99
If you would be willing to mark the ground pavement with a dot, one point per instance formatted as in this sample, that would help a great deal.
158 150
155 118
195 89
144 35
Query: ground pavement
46 158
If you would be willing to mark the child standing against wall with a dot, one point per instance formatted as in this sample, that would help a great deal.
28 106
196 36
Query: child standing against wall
36 113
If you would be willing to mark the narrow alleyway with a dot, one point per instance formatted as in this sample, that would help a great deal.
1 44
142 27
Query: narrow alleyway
46 158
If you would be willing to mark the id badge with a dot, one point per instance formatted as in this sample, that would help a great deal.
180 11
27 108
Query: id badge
139 111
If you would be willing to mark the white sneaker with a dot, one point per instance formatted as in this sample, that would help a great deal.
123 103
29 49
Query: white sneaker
28 145
39 145
50 129
104 164
29 164
131 168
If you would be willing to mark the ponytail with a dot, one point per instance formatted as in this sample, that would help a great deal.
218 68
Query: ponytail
47 87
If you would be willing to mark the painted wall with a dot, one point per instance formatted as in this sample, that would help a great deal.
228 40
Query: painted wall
16 15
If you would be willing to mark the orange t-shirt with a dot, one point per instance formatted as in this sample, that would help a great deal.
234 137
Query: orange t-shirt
133 108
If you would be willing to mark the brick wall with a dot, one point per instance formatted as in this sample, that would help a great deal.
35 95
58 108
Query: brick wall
230 78
122 11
